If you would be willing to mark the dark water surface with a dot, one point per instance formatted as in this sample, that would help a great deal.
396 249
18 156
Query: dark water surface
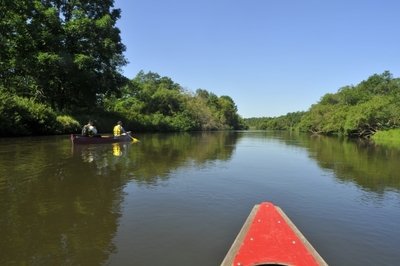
181 199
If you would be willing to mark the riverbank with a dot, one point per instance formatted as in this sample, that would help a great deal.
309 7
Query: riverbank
393 134
389 138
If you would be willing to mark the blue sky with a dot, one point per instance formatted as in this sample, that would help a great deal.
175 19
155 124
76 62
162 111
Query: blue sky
271 57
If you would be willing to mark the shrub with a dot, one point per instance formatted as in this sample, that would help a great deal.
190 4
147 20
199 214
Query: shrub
21 116
68 125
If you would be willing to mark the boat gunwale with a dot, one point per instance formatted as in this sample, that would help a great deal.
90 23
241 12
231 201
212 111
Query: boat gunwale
233 251
77 139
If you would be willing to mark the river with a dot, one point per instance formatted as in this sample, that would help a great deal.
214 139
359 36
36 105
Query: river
182 198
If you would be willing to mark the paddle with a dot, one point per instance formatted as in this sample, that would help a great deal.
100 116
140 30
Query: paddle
133 139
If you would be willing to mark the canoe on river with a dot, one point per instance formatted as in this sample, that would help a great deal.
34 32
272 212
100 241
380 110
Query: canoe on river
268 237
78 139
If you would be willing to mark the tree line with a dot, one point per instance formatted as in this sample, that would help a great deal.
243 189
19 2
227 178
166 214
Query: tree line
283 122
156 103
359 111
60 64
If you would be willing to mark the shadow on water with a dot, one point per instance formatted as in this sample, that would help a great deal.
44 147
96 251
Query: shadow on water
61 202
53 210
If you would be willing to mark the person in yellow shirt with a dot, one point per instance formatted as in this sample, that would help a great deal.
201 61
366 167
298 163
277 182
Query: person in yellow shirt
118 129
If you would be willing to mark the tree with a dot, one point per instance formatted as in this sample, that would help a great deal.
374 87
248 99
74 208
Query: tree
16 45
66 54
359 110
158 103
228 112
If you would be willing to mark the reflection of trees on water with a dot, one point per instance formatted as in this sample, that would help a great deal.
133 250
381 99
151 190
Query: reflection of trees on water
53 212
91 153
153 159
371 166
163 153
103 158
61 202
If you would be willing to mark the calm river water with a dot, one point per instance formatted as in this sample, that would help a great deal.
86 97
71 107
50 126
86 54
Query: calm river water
181 199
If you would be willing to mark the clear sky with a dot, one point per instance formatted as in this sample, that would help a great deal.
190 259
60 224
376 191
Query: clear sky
271 57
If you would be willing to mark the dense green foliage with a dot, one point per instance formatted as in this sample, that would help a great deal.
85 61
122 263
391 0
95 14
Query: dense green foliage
20 116
159 104
64 54
390 138
284 122
389 134
360 110
60 64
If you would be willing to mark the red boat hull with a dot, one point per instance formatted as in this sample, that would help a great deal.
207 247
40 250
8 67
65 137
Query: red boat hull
76 139
269 238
